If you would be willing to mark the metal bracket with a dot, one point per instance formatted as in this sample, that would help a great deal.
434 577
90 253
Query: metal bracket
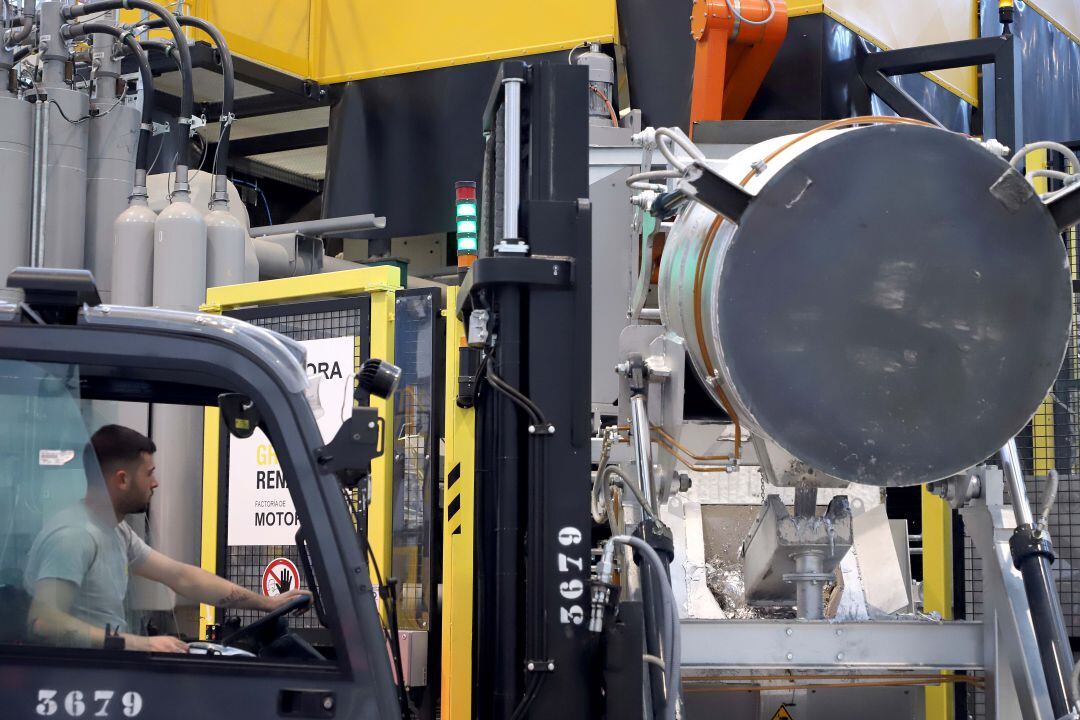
534 270
540 666
712 190
160 128
876 68
1065 208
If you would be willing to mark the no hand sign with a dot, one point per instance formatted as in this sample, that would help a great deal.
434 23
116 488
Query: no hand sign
279 577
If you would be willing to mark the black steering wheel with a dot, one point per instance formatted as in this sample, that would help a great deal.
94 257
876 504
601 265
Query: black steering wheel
267 622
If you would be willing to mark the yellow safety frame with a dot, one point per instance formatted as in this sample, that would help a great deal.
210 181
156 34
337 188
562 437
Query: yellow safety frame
381 284
937 588
458 532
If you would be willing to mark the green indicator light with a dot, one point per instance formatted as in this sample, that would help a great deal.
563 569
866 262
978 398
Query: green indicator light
468 209
466 226
466 246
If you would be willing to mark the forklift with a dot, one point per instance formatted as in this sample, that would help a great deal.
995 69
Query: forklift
66 360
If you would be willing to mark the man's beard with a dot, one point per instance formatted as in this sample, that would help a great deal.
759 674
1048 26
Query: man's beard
139 507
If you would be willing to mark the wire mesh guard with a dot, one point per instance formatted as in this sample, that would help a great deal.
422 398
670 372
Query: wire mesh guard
1050 441
244 564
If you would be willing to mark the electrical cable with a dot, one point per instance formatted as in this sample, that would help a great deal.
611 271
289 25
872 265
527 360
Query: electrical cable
481 367
535 415
91 115
738 16
653 660
256 188
610 107
530 695
536 638
161 144
202 157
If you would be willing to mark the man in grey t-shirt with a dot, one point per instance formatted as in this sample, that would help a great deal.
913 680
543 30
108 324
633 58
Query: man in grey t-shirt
92 553
77 570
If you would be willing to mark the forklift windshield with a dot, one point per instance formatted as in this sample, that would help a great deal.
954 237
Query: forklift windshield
84 562
225 554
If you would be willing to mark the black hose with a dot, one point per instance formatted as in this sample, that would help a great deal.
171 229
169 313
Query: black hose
228 76
187 97
162 46
146 121
16 36
21 53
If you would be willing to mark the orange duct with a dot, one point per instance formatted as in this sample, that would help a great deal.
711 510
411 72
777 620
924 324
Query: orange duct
732 55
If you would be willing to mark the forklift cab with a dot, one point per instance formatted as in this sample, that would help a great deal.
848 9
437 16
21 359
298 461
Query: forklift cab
69 365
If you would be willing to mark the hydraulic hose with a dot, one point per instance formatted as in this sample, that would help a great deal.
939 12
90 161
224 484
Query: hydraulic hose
187 101
16 36
221 154
135 48
670 629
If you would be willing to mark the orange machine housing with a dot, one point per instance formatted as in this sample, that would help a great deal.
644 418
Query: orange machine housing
732 56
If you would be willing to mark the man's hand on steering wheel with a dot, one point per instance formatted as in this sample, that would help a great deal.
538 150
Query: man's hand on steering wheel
273 603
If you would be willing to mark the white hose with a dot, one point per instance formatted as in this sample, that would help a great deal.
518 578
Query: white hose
740 18
641 289
1021 154
669 154
1053 175
678 137
640 181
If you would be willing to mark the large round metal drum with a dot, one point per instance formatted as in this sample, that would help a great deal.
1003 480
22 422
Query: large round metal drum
886 311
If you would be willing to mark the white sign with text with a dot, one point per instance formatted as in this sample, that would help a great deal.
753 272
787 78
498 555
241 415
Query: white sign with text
261 511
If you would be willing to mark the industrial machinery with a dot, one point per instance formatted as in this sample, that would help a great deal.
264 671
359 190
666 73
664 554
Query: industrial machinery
803 313
843 330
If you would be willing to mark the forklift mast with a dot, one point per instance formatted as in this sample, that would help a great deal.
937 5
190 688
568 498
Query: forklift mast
530 292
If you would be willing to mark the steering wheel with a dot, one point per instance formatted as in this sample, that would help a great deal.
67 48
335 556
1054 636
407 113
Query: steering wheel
267 621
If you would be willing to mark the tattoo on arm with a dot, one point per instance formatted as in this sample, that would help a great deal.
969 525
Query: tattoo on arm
235 597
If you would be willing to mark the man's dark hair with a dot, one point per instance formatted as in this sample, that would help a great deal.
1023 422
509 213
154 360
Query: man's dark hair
116 446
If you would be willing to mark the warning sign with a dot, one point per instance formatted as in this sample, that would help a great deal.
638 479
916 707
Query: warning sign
279 577
782 714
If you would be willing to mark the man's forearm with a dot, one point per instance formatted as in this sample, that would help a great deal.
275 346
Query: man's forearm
58 628
208 588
